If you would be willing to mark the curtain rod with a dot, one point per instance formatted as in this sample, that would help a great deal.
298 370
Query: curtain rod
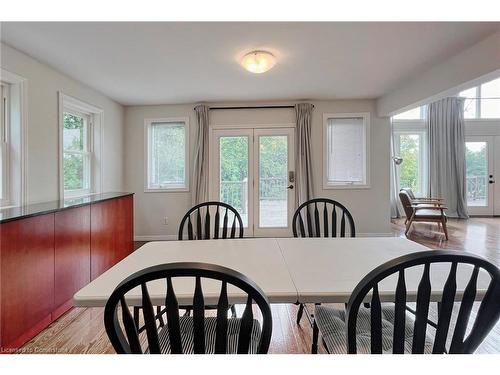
255 107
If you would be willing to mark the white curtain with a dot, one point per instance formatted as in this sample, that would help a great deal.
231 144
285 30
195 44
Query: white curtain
303 171
200 170
446 125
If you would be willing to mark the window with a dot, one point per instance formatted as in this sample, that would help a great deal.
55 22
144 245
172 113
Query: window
482 102
346 150
413 114
167 154
411 146
80 147
4 145
77 153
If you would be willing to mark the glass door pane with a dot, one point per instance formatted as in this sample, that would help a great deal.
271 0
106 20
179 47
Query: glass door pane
273 175
410 170
234 174
476 156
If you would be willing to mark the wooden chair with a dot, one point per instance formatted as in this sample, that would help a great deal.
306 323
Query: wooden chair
395 327
185 334
335 221
203 230
433 213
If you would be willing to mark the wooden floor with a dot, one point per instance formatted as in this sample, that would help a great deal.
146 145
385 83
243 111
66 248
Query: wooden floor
81 330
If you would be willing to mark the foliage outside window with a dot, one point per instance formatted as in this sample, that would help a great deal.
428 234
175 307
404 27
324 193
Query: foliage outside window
76 153
167 155
411 169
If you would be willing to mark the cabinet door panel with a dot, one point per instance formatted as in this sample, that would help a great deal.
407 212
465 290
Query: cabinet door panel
102 237
72 255
27 278
124 227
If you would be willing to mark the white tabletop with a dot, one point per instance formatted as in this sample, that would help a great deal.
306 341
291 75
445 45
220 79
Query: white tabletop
315 270
259 259
327 270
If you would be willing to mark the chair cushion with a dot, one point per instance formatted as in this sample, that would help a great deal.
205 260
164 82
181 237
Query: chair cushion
332 325
187 336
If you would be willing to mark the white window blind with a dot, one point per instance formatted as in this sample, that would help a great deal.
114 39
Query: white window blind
167 155
346 151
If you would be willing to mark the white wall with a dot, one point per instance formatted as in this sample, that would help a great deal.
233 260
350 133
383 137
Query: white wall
480 62
43 84
370 207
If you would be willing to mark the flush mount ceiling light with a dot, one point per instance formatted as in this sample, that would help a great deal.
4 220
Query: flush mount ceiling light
258 61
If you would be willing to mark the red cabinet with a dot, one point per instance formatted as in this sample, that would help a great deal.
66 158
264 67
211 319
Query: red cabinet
27 278
111 233
45 259
72 256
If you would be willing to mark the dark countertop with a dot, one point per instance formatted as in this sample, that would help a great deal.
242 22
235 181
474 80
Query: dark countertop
16 213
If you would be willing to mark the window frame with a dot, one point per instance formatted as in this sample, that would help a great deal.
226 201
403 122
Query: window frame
366 184
93 141
5 198
148 124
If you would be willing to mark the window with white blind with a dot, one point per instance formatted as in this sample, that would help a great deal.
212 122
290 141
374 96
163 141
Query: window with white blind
4 145
346 150
167 149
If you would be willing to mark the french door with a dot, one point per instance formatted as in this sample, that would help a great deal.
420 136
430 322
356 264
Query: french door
253 171
482 156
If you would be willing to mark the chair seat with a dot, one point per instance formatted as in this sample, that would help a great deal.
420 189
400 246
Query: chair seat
332 325
428 214
187 336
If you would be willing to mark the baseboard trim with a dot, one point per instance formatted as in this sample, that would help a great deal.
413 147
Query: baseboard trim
173 237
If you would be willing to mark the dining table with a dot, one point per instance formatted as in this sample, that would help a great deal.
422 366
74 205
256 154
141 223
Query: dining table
288 270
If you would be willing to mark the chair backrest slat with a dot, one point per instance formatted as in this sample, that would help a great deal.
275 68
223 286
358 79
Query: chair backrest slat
464 313
221 328
314 226
486 317
444 312
190 229
198 318
376 322
325 220
173 324
150 321
309 223
130 328
199 233
246 326
316 220
422 312
205 222
217 224
398 346
173 337
224 225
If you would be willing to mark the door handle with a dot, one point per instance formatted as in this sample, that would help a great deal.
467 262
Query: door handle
491 181
289 187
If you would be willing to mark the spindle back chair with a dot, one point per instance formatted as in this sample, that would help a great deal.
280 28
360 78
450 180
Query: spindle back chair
335 220
487 315
202 229
250 336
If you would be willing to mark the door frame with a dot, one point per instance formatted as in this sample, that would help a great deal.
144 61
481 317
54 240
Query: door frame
251 130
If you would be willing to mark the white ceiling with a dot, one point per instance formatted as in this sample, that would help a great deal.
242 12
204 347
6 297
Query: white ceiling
155 63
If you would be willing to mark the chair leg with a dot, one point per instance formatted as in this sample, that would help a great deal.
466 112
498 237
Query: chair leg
233 311
408 226
300 312
314 348
158 314
445 230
